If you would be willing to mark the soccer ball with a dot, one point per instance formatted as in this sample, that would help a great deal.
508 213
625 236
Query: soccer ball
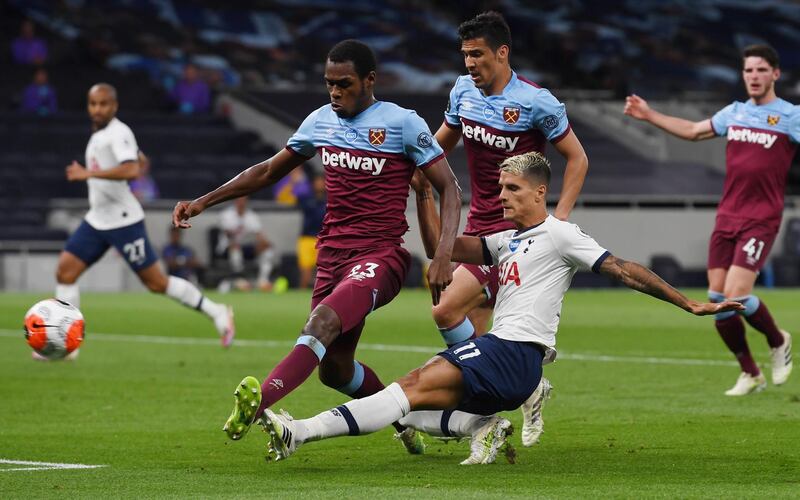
54 328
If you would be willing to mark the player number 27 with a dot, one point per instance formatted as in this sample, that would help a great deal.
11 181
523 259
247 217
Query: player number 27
753 248
134 250
472 351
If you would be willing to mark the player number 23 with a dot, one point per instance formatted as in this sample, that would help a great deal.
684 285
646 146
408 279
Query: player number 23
134 250
753 248
471 351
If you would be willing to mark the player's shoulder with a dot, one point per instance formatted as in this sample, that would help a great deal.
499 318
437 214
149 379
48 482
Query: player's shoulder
563 230
525 89
787 107
117 126
321 112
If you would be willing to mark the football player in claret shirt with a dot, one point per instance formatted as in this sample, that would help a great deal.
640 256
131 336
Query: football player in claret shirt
499 114
370 150
476 378
116 219
762 134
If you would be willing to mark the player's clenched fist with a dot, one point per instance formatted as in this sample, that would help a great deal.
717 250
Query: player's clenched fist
76 172
636 107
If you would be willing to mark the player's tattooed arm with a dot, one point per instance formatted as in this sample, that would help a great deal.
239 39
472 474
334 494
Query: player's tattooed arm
252 179
427 216
574 174
642 279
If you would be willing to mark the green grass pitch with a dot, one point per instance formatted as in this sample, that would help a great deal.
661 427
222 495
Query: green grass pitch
152 387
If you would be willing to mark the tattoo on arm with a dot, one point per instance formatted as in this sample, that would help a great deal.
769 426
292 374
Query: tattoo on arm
642 279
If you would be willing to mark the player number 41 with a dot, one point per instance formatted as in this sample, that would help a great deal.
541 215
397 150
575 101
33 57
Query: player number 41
753 248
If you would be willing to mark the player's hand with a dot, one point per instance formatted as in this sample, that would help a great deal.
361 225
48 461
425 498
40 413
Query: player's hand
440 274
183 211
636 107
419 182
708 308
76 172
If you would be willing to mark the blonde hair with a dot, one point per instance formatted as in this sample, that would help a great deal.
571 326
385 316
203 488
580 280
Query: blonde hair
532 164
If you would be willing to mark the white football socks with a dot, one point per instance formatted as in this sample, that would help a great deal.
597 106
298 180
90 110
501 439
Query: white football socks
236 259
265 264
69 293
188 294
356 417
456 423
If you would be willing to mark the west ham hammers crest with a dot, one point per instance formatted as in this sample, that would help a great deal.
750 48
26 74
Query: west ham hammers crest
377 136
510 115
773 120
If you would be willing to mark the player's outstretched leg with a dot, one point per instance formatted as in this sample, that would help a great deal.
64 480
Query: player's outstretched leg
247 398
780 342
489 440
532 421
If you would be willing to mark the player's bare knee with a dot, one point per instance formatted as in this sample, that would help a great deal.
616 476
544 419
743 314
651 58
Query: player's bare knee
445 315
323 324
66 276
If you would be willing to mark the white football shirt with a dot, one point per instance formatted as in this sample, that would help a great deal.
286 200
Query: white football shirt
111 203
536 267
244 227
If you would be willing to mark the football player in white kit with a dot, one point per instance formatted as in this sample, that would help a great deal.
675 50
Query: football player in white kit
116 218
474 379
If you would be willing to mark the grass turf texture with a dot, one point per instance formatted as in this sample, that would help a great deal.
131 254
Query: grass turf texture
153 412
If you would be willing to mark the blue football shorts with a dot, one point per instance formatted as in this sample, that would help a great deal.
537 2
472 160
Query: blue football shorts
89 244
498 374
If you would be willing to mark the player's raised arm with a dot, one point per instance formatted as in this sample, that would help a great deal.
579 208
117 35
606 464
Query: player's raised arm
640 278
260 175
574 174
638 108
441 176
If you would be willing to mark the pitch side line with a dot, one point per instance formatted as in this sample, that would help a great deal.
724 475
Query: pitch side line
154 339
43 465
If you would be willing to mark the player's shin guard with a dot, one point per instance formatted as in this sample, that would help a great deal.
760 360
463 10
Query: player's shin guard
458 333
292 371
364 382
758 316
69 293
359 416
447 423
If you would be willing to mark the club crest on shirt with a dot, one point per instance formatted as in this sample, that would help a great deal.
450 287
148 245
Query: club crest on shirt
773 120
377 136
510 115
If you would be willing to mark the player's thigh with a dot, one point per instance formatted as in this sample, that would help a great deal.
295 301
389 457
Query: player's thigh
480 317
134 246
70 268
153 278
366 282
436 385
739 281
462 295
716 279
84 247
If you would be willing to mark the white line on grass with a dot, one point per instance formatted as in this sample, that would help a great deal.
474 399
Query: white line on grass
155 339
43 465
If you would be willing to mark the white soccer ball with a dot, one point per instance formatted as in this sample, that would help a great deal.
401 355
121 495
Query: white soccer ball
54 328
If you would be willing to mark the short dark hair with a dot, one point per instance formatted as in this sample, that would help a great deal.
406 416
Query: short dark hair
359 53
763 51
490 26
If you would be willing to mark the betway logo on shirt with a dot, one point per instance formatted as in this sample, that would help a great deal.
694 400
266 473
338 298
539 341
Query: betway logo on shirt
480 134
751 136
345 160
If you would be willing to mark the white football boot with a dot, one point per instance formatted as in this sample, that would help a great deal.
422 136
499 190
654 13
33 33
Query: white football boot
747 384
532 422
782 360
490 439
280 428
